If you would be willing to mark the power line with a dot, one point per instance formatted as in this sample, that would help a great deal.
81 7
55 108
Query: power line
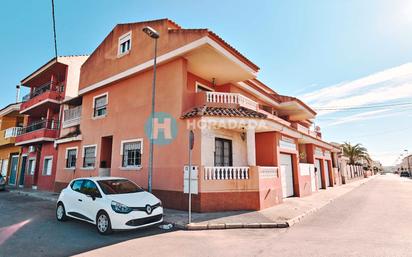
343 108
332 117
54 30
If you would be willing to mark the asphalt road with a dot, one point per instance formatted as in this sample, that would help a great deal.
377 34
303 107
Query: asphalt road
28 227
372 220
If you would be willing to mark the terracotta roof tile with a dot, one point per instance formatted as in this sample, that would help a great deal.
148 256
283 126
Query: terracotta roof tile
222 111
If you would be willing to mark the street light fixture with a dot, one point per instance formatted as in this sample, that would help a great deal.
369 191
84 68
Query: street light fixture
154 35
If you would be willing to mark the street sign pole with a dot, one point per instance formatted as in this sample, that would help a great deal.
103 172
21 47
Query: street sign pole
191 142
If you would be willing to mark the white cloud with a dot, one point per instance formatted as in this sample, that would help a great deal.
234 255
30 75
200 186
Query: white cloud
388 85
360 116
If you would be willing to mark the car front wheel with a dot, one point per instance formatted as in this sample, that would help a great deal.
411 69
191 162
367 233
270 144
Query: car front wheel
103 223
61 212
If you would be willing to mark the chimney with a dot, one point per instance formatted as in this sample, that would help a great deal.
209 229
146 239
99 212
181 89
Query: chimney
17 93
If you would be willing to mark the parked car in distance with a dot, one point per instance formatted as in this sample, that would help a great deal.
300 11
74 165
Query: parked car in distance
2 183
110 203
405 174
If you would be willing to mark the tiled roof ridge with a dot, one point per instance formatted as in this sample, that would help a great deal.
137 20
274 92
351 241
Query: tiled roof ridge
222 111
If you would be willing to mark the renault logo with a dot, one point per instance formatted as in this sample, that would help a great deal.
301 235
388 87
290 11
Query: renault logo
148 209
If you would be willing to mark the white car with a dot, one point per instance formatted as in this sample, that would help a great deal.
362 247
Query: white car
110 203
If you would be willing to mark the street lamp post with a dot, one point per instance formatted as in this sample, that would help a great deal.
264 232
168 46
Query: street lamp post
154 35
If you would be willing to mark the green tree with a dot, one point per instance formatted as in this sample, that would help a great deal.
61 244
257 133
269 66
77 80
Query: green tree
355 153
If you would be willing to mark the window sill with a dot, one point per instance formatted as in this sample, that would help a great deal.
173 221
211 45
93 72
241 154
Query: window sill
88 168
132 168
70 169
99 117
120 55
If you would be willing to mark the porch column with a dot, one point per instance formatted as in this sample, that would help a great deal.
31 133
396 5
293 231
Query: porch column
251 146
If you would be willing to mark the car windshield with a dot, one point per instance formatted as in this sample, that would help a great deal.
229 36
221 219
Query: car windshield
119 186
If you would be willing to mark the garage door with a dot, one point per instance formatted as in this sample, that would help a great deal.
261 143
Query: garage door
318 173
327 174
286 169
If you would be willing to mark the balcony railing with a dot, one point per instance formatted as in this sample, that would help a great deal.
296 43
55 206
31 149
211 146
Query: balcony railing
231 98
226 173
72 116
56 87
44 124
13 132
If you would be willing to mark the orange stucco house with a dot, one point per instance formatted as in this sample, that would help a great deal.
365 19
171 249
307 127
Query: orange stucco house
253 147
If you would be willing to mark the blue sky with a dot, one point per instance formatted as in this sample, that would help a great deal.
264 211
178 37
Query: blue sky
329 53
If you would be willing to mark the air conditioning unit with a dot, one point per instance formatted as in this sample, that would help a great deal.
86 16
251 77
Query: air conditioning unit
32 149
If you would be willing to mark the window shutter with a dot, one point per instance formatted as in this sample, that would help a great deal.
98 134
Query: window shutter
100 102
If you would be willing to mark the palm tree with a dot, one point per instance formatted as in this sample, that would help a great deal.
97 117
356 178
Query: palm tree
355 153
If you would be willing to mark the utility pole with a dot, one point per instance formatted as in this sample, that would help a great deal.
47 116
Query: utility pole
54 30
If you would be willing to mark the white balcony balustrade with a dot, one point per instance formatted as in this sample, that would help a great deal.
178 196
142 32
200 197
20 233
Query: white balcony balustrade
72 116
13 132
231 98
226 173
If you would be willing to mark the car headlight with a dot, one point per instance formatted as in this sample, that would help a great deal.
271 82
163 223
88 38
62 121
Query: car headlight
120 208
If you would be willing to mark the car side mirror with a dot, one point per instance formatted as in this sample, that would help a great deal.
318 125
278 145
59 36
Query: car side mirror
94 196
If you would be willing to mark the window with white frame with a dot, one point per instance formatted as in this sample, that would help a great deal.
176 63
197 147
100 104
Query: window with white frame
125 44
47 166
89 156
132 153
32 166
71 157
202 88
100 106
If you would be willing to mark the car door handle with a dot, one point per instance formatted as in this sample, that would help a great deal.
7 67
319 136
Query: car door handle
80 200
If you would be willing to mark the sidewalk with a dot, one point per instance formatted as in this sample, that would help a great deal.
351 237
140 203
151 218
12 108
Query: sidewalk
290 212
284 215
43 195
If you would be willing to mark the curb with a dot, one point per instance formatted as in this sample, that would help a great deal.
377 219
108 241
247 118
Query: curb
299 218
287 224
219 226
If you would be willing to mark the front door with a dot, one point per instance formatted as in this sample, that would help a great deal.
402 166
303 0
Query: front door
327 174
318 173
286 169
13 169
22 170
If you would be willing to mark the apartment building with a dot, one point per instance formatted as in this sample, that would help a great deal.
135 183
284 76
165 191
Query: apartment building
52 85
11 123
253 147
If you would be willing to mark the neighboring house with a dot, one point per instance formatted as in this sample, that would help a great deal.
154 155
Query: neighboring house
50 86
406 163
253 147
11 123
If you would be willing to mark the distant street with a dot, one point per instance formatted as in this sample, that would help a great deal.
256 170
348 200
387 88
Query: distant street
372 220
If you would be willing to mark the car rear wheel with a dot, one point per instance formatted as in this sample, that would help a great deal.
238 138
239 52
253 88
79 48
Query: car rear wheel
61 212
103 223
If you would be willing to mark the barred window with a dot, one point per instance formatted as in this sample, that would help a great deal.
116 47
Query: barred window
71 158
47 166
132 154
89 158
100 106
223 152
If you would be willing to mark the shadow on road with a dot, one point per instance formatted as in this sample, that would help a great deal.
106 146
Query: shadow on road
28 227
